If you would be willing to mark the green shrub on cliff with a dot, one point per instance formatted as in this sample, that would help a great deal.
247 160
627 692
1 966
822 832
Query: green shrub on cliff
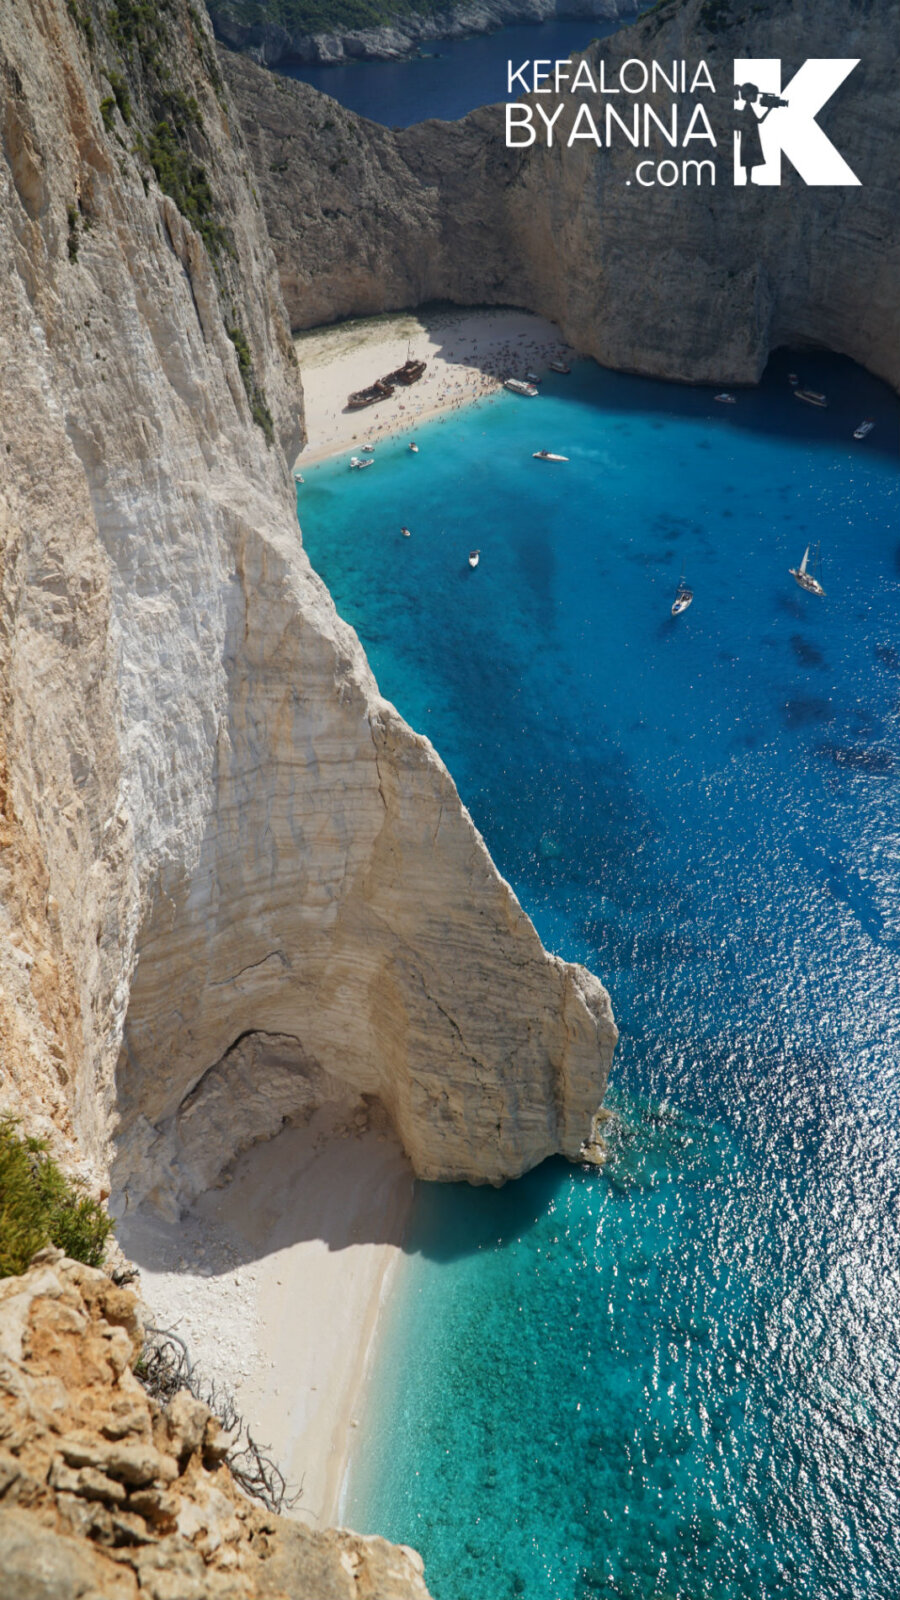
39 1205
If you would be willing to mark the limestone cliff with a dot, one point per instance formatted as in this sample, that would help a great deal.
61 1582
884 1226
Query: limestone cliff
107 1493
220 844
685 283
270 42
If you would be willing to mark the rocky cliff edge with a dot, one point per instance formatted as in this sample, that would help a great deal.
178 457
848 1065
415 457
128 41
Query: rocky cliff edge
220 843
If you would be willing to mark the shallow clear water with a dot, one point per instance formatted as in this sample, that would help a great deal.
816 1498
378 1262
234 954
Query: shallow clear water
453 78
678 1378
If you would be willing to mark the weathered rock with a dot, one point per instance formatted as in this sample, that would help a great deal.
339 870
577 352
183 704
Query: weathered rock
269 43
188 1532
213 826
680 283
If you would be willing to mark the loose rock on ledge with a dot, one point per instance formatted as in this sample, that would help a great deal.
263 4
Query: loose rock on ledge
104 1495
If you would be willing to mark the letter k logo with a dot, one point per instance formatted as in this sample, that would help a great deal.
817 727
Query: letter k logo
789 129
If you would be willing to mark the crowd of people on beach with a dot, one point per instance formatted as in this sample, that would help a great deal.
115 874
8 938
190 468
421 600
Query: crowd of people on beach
466 368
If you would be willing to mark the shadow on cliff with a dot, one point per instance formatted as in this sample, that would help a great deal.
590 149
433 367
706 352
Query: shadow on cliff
346 1192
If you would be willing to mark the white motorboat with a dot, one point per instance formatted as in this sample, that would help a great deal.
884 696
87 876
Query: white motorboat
804 577
725 399
474 557
518 386
546 455
367 449
405 532
682 599
299 478
560 366
812 397
358 462
864 429
415 449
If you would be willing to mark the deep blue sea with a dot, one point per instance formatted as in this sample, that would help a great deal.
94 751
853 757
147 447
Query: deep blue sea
457 76
677 1378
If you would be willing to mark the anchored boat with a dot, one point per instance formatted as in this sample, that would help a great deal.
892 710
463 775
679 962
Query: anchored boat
518 386
682 599
811 397
359 462
725 399
804 577
560 366
864 429
474 557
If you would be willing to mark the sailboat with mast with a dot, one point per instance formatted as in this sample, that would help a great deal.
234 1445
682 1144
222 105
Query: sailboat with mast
802 575
682 599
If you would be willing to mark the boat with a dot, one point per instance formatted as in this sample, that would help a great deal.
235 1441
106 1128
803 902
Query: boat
415 449
405 532
298 477
864 429
793 380
532 377
410 372
519 387
725 399
811 397
380 390
546 455
560 366
474 557
682 599
367 449
805 578
361 461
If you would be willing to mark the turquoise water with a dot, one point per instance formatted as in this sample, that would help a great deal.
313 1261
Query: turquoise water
678 1378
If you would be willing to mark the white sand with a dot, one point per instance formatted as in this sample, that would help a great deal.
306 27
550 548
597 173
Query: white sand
276 1280
468 354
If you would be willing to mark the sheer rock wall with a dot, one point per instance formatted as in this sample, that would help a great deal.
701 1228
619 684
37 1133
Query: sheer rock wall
213 824
685 283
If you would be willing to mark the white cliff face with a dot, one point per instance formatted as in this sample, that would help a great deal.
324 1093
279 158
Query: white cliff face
234 882
269 43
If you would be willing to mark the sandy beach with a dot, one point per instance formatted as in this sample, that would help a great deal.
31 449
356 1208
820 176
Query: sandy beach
468 354
275 1282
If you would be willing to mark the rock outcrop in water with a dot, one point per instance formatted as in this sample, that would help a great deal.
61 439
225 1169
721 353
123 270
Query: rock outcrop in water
685 283
108 1494
269 42
220 844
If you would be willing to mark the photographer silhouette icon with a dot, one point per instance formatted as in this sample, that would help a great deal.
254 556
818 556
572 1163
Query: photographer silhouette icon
750 150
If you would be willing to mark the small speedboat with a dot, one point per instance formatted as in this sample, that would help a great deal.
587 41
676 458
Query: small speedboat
805 578
299 478
725 399
793 380
405 532
367 449
358 462
864 429
682 599
474 557
415 449
560 366
812 397
519 387
546 455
